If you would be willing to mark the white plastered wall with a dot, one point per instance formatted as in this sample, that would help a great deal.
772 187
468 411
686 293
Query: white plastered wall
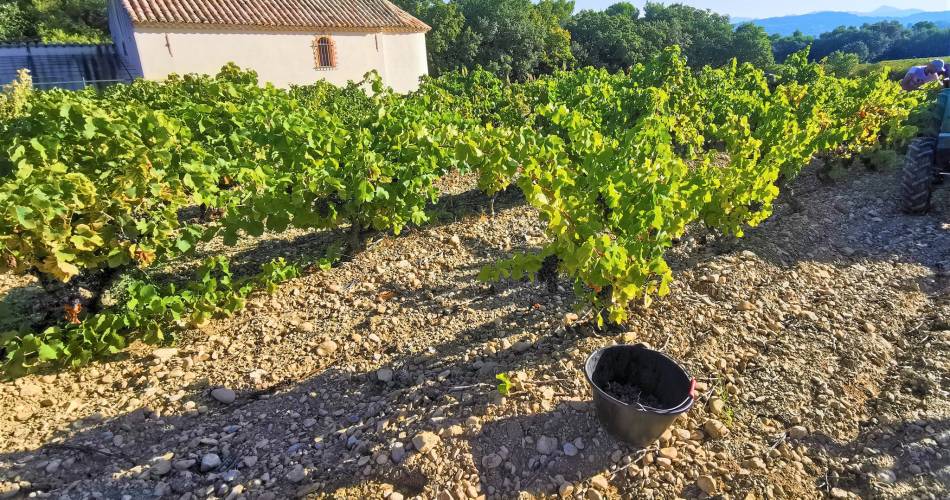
405 60
283 57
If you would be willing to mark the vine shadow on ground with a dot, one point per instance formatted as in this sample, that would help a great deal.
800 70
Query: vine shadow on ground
313 244
903 449
288 406
18 304
506 451
307 249
909 454
420 388
851 221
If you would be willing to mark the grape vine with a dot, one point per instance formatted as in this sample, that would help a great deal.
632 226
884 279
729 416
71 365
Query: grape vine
617 165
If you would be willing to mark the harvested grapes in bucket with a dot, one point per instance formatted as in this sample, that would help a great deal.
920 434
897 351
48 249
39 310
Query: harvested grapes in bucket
632 395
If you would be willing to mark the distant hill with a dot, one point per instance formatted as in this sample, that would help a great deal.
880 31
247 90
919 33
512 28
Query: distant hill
821 22
887 11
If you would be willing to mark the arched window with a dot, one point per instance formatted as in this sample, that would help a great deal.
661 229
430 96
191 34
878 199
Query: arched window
324 52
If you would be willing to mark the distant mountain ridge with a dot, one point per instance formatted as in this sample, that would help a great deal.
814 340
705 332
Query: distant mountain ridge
817 23
888 11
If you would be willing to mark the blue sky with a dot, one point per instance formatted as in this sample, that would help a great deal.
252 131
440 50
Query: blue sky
769 8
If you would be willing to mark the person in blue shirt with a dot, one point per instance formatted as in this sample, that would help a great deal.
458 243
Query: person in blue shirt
918 76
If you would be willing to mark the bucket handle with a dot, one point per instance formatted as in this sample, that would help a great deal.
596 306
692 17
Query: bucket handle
686 402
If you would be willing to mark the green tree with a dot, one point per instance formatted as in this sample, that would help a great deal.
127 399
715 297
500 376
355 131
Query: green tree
751 43
562 10
604 40
76 21
619 37
516 41
704 36
625 9
869 42
14 23
784 46
841 64
553 15
54 21
924 39
450 45
859 49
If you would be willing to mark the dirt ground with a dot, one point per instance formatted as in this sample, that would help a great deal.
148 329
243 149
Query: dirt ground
820 343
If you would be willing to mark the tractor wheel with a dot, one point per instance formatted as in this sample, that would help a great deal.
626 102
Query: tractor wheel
918 175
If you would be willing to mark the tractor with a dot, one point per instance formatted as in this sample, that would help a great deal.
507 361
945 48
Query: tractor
928 159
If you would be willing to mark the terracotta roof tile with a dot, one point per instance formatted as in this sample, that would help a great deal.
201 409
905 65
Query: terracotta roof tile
285 14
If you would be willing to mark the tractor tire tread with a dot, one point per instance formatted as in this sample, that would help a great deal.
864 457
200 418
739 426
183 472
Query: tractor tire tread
917 176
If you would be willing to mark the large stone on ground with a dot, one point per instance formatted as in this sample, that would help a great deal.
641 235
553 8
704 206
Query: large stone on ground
546 445
223 395
425 441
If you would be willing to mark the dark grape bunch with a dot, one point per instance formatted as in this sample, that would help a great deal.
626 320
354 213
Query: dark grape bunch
548 273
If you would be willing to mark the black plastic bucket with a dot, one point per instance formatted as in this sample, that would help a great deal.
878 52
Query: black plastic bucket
670 388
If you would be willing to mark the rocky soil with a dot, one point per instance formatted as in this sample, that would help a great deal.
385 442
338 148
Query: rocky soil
819 342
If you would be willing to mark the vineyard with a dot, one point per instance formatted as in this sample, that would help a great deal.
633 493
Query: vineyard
340 277
99 185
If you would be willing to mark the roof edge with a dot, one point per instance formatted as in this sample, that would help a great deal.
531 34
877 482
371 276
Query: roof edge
402 12
263 27
424 28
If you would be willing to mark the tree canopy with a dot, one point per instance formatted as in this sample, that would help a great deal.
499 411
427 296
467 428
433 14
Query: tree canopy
512 38
620 36
871 42
604 40
54 21
520 39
